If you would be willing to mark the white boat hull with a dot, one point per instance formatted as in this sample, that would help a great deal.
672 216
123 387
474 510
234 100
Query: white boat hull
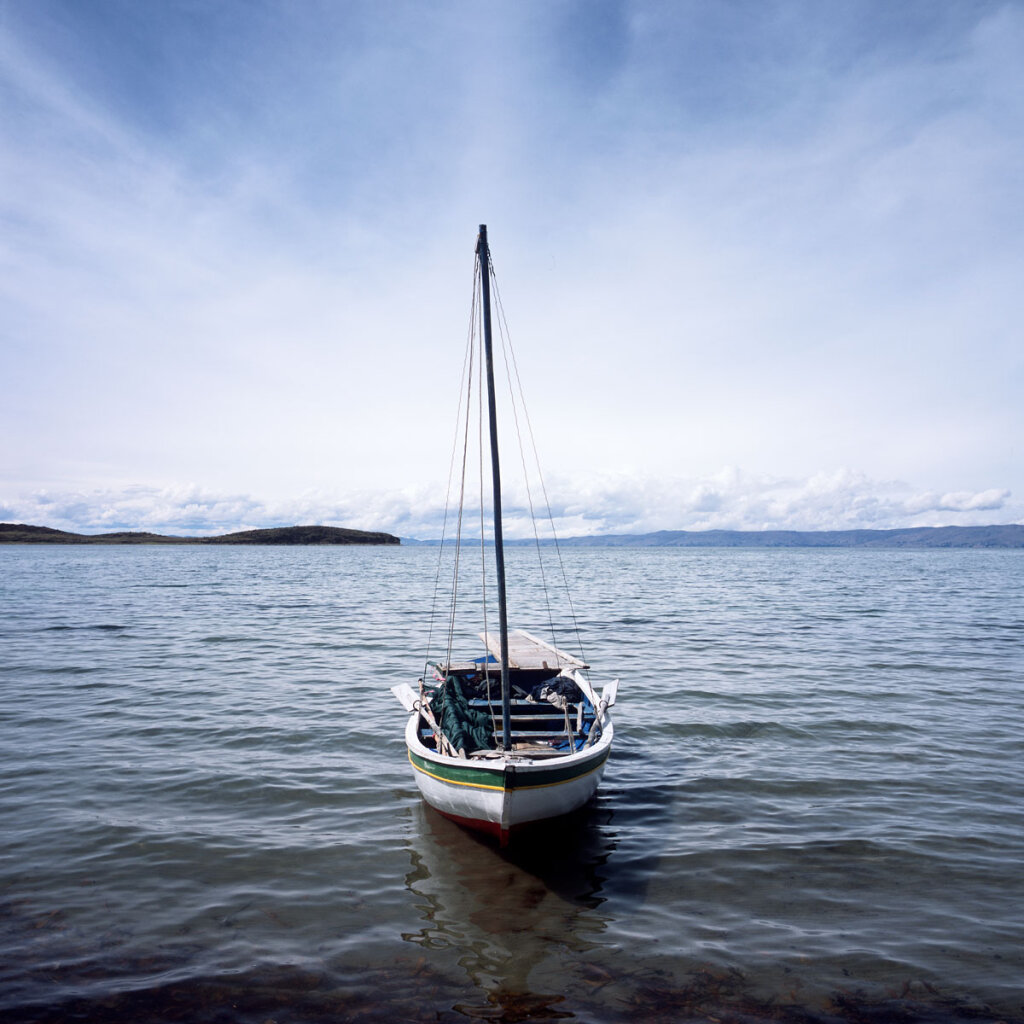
501 793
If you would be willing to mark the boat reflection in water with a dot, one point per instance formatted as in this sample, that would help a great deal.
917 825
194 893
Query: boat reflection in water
516 921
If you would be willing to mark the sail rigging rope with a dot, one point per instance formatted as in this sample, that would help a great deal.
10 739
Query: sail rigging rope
463 382
462 504
504 333
472 372
506 345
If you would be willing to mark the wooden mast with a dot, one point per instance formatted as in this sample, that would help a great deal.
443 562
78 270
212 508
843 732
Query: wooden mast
484 256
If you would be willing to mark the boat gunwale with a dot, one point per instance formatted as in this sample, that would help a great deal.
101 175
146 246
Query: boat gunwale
497 767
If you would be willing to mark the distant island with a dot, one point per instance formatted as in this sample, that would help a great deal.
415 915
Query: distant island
1009 536
1004 536
20 533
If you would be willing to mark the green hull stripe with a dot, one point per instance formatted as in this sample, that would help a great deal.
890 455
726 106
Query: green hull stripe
481 778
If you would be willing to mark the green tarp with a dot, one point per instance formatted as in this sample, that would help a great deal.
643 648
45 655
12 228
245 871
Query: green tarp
466 728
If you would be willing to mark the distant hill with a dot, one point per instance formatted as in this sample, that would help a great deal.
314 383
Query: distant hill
20 533
1008 536
1011 536
304 535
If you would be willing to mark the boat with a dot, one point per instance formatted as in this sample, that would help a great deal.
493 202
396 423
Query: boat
511 734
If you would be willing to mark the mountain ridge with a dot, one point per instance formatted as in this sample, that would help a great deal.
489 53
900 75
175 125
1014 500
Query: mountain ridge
995 536
1002 536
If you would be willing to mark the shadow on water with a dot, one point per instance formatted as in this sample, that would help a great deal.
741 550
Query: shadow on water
501 913
569 857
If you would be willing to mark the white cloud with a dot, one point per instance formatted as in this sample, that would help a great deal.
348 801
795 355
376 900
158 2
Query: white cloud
735 500
728 500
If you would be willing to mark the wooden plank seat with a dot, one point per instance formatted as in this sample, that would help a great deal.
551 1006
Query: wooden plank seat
522 738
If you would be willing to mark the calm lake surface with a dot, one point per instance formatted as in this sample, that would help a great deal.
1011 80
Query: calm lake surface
814 810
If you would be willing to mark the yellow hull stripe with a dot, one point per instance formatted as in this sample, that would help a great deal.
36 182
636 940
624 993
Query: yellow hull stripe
515 789
548 785
451 782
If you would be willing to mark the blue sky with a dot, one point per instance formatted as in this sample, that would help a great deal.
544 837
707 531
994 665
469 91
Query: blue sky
761 260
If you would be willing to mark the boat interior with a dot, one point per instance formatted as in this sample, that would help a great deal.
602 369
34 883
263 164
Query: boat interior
550 715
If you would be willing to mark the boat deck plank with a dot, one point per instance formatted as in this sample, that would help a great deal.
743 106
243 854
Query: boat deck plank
526 651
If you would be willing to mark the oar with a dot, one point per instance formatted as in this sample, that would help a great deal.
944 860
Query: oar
440 739
597 726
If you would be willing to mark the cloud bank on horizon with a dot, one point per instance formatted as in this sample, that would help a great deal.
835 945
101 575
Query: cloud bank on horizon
729 501
784 237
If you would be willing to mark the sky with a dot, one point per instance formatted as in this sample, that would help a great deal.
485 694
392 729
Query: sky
760 259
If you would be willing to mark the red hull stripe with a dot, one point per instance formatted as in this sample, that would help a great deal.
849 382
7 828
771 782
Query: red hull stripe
491 828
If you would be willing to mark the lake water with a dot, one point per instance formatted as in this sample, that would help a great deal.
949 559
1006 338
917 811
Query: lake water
814 810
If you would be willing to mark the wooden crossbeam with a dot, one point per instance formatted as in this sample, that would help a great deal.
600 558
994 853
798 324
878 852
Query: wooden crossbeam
526 651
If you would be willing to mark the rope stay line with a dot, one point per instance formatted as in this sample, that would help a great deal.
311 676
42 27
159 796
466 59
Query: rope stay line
460 464
506 347
462 495
463 380
505 333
